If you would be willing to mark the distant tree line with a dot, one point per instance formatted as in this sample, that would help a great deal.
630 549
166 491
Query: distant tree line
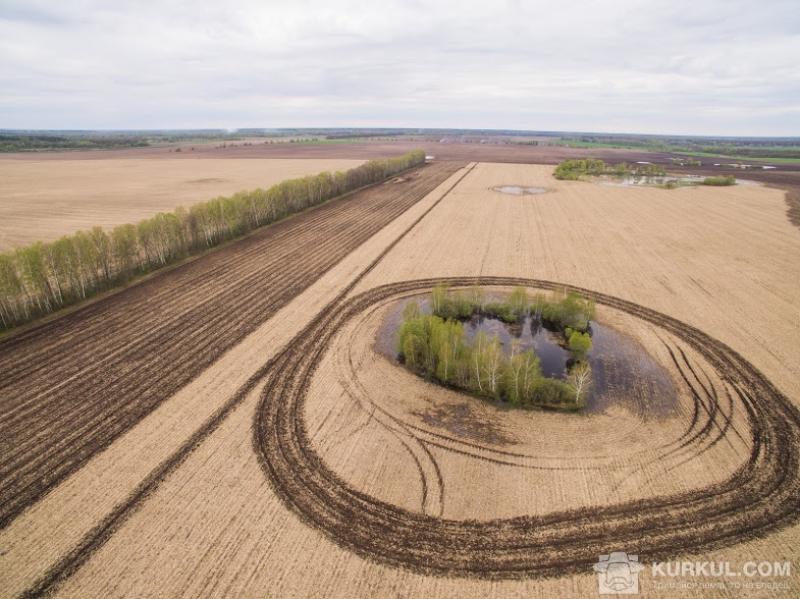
41 278
573 170
35 143
435 346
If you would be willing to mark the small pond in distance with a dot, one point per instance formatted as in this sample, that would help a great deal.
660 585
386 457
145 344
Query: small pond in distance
519 190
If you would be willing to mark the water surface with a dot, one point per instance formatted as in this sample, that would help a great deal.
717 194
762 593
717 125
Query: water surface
519 190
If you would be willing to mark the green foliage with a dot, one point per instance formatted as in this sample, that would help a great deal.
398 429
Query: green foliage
579 344
520 375
435 347
501 311
411 310
10 142
773 150
518 302
574 170
458 305
438 298
42 277
572 312
720 181
462 305
553 393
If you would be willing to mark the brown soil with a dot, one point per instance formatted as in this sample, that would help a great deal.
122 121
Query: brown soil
71 386
293 510
761 496
41 200
786 176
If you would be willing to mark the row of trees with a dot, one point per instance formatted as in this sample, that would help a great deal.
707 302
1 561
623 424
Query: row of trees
42 277
435 346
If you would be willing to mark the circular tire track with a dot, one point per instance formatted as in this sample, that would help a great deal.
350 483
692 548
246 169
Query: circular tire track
761 496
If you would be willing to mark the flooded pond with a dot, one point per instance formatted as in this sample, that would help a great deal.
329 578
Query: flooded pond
623 373
529 336
642 181
519 190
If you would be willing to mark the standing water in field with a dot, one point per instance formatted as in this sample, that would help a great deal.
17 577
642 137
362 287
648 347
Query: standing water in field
530 335
519 190
623 373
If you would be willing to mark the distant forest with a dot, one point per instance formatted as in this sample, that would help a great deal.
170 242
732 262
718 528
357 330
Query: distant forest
34 143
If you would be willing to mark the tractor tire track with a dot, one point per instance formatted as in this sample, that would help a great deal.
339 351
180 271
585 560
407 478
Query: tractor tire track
761 496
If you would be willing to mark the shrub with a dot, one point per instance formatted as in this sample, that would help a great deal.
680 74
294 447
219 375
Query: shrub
502 312
552 393
573 312
579 344
518 301
720 181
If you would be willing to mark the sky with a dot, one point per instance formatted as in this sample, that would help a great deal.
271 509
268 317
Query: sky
710 67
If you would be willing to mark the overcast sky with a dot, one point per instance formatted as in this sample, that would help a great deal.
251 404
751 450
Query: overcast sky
717 67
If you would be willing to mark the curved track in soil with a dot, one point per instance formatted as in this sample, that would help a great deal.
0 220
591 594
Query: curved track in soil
616 466
762 495
71 386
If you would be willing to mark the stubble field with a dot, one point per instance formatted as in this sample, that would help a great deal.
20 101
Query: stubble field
255 443
43 199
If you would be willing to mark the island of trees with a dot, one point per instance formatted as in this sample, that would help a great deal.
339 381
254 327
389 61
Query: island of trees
578 170
575 170
41 278
435 346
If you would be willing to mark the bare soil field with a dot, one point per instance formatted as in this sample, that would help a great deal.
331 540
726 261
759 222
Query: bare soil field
300 462
357 150
71 386
42 199
786 177
365 150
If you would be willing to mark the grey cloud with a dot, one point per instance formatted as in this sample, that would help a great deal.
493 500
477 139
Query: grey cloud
716 67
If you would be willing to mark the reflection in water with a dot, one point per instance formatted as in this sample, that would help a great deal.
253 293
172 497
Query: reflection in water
531 335
655 181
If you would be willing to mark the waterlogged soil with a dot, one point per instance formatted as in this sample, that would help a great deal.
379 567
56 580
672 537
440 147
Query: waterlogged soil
520 190
632 181
624 374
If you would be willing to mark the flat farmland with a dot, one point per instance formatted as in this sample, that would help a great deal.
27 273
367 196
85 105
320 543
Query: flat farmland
251 440
41 200
116 368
